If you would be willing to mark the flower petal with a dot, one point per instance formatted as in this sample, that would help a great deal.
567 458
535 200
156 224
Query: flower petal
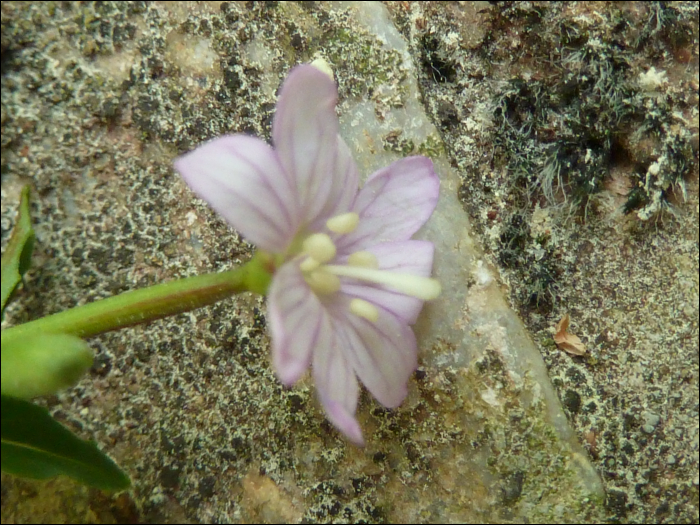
394 203
305 135
298 322
412 257
241 178
343 172
383 353
337 389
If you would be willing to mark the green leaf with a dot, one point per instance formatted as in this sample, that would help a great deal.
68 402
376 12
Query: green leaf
17 256
34 445
40 364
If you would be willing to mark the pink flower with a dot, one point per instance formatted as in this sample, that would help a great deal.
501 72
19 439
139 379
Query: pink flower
349 281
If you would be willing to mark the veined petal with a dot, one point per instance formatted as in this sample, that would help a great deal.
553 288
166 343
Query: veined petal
411 257
305 135
343 172
394 203
382 353
298 321
337 389
241 178
347 180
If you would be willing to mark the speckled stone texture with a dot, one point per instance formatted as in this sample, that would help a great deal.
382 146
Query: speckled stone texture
546 123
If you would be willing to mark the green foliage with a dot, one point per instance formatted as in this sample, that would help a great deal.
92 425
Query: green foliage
39 364
34 445
16 259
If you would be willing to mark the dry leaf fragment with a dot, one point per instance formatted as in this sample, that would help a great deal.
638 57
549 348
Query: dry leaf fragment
570 343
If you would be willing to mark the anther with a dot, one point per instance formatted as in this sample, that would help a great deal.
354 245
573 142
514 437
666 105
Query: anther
363 260
309 264
322 282
320 247
364 309
345 223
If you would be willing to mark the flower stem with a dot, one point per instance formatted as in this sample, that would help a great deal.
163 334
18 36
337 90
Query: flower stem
148 304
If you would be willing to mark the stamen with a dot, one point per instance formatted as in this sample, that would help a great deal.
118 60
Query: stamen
323 282
344 223
362 308
320 247
363 259
423 288
309 264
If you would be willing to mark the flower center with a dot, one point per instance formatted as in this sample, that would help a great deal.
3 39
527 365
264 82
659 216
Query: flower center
324 278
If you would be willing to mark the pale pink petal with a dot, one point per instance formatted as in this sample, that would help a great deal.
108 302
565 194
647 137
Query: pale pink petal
343 190
346 180
305 135
299 323
241 178
394 203
412 257
383 354
337 389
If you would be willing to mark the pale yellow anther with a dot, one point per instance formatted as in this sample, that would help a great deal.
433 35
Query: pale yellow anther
345 223
364 309
363 260
323 283
309 264
320 247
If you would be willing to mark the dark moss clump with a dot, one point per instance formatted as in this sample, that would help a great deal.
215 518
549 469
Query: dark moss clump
667 28
334 502
557 134
560 134
436 62
105 26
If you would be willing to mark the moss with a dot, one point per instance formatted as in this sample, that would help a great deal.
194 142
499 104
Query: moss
393 141
362 61
104 27
435 61
431 147
563 135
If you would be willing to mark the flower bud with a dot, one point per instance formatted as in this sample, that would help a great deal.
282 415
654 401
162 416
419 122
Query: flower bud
42 364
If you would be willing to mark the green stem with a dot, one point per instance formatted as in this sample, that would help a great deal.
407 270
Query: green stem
149 304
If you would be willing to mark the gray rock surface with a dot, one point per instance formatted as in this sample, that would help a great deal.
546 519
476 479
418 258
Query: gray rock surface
99 98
